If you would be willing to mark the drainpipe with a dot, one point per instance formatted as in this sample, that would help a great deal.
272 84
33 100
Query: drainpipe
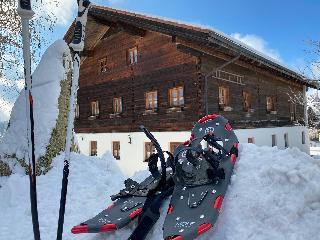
206 76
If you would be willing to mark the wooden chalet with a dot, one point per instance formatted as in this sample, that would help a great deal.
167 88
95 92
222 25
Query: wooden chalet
166 75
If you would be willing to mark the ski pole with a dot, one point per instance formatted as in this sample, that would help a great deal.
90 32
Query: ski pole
77 46
26 13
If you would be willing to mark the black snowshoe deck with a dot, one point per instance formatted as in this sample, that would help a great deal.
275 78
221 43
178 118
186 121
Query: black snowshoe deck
197 197
122 211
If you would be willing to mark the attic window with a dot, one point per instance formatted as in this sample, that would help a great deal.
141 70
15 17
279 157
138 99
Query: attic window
103 65
132 55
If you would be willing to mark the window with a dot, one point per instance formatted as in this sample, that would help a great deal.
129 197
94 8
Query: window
117 105
250 140
270 104
303 137
116 149
77 114
176 97
132 55
246 100
93 148
286 140
148 150
223 97
293 111
274 140
151 100
174 145
94 108
103 65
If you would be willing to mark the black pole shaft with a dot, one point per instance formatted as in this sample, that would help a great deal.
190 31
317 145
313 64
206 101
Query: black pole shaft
64 190
32 174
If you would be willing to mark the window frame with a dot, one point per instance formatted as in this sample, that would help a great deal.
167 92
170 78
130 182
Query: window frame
103 65
117 105
132 55
95 108
273 140
154 100
303 137
179 102
149 149
293 110
93 149
273 105
224 97
77 111
247 97
286 140
116 149
172 144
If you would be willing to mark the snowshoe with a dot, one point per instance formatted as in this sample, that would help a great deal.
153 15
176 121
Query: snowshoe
130 202
199 187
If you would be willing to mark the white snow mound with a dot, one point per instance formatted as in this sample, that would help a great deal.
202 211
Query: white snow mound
274 194
46 90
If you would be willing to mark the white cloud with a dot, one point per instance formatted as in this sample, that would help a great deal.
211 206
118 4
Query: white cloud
64 10
258 43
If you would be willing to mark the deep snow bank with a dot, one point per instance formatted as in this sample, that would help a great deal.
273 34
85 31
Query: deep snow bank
46 90
274 194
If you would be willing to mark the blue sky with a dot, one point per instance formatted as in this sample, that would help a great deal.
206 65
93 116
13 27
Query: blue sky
277 28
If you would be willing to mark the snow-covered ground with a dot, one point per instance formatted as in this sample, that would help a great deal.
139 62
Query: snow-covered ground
274 194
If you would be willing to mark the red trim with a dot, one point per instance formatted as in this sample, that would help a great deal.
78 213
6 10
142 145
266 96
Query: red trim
174 238
208 117
80 229
30 99
236 145
204 227
170 209
233 158
186 142
228 126
189 141
108 227
218 202
110 206
135 213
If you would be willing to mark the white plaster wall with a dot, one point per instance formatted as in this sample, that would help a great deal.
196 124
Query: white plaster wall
132 155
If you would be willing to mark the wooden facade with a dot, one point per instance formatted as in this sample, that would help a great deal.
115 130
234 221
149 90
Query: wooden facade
171 55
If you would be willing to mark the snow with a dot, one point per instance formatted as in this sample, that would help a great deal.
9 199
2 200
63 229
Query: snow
274 194
46 90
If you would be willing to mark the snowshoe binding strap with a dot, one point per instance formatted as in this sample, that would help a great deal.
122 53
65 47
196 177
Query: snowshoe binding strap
149 135
212 140
150 211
